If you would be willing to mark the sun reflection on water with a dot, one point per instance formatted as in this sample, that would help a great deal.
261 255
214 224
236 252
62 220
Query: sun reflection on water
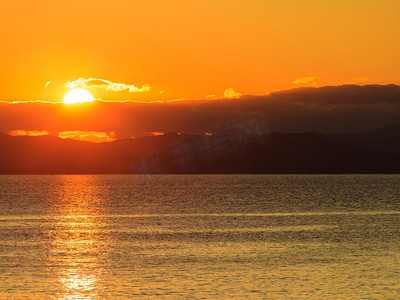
79 247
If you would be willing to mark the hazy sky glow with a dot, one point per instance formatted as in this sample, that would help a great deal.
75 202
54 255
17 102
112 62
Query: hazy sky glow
191 49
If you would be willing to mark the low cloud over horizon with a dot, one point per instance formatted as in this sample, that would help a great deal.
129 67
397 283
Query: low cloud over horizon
306 80
334 109
106 84
230 93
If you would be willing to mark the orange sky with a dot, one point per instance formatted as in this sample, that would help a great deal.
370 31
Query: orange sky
191 49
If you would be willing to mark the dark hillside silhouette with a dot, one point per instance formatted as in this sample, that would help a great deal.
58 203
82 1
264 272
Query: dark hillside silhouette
173 153
386 139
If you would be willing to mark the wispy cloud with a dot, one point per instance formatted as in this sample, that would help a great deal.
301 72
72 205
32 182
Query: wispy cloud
27 132
231 94
306 80
88 136
155 133
106 84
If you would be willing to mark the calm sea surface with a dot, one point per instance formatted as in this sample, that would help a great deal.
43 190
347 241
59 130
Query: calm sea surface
200 237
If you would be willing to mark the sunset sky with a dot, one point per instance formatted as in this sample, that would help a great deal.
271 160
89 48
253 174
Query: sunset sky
205 149
180 49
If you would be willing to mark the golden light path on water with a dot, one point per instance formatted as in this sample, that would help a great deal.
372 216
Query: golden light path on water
78 250
199 237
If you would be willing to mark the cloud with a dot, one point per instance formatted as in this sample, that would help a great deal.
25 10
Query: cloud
231 94
333 109
106 84
306 80
88 136
27 132
155 133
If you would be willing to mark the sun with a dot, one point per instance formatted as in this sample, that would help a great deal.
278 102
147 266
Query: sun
78 96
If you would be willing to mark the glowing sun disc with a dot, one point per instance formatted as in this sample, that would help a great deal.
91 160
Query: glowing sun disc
78 96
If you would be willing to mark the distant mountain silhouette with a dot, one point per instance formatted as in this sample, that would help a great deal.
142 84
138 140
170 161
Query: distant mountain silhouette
386 139
224 152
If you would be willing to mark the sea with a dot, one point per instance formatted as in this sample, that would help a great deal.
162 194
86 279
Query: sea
200 236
